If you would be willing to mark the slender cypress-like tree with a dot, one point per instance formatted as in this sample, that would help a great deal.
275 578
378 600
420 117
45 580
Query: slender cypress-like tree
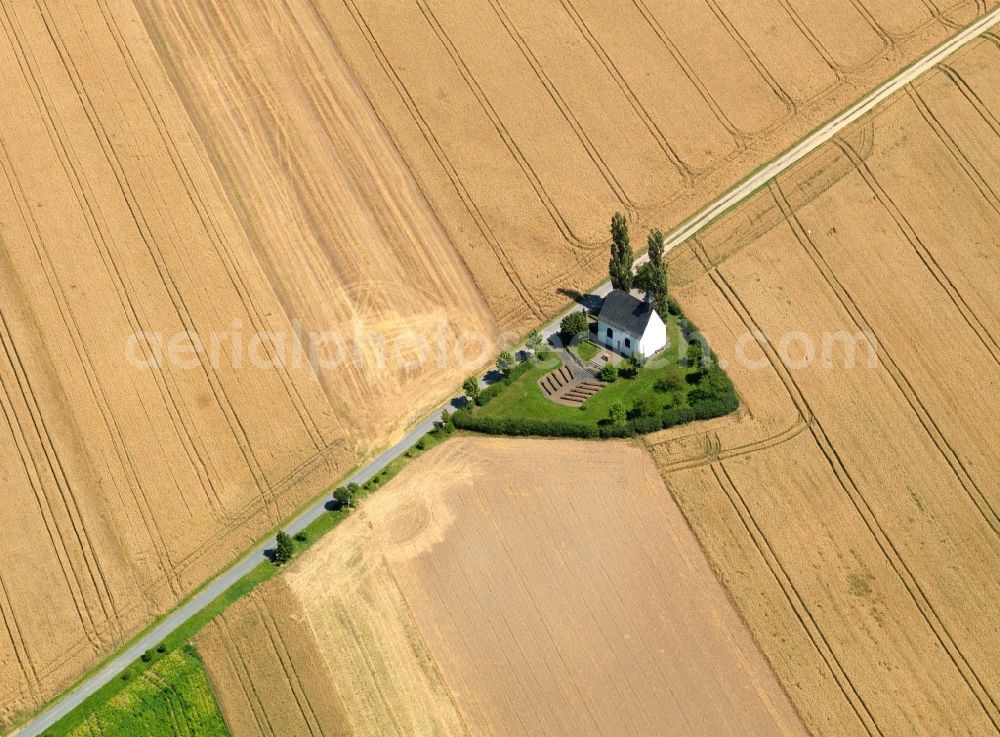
620 265
655 277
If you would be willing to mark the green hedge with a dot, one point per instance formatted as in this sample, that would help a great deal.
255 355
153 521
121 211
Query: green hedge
466 420
520 426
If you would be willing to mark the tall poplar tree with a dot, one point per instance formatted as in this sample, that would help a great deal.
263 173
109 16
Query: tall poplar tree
620 266
655 277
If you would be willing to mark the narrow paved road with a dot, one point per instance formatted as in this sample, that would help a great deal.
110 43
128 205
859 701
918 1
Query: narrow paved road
230 576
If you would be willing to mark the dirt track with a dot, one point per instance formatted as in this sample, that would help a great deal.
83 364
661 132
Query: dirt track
130 489
128 210
523 159
853 511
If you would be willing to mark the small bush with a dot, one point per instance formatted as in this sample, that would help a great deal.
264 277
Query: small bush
608 373
147 656
617 414
506 363
161 648
646 406
301 537
671 380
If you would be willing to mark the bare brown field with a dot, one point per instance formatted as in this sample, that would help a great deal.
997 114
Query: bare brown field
526 123
852 513
520 587
125 488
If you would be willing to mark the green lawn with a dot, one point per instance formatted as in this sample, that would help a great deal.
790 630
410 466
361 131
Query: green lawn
172 698
524 398
586 350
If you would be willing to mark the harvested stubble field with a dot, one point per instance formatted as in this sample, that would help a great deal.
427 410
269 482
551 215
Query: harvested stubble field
500 587
124 210
853 512
527 122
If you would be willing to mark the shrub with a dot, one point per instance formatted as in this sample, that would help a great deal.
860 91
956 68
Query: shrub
343 497
647 424
421 444
493 390
301 537
617 431
521 426
147 656
694 354
672 307
534 341
506 362
616 414
471 387
608 373
646 406
161 648
713 384
671 380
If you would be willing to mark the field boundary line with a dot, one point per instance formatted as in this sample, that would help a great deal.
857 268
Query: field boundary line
923 252
827 131
897 375
798 605
214 586
438 151
882 539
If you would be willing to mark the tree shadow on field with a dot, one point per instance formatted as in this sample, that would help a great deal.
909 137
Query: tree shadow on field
590 302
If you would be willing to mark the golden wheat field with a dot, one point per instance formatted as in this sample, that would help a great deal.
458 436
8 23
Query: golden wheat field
488 590
127 210
526 123
402 173
852 513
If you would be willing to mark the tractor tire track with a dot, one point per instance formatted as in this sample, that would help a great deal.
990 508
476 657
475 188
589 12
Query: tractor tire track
287 666
779 92
32 682
209 223
175 295
911 235
686 173
58 140
946 139
741 138
795 600
439 153
33 473
902 382
592 152
484 102
971 96
860 504
246 680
